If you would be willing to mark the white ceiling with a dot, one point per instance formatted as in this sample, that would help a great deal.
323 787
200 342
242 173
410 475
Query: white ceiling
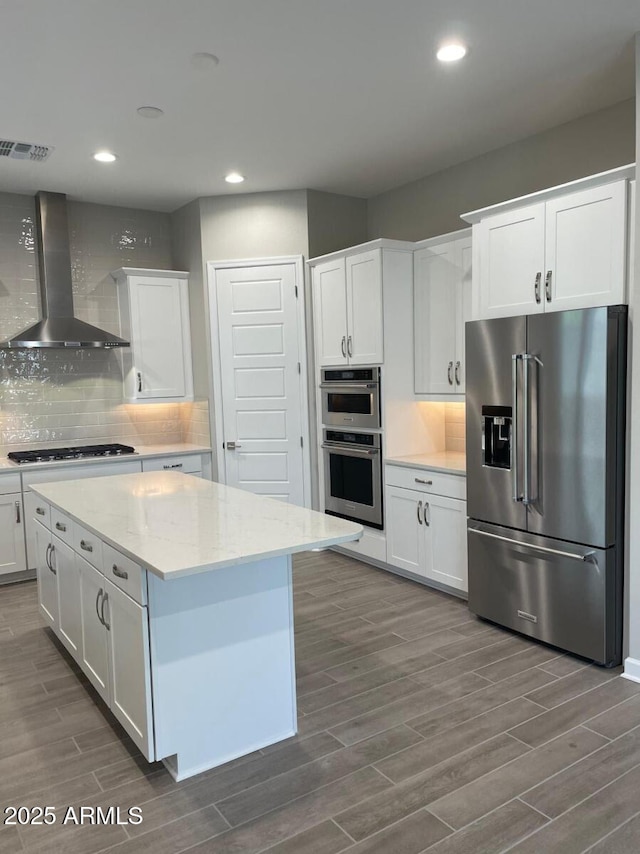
337 95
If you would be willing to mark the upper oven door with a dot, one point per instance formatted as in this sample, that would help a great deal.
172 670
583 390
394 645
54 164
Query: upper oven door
351 404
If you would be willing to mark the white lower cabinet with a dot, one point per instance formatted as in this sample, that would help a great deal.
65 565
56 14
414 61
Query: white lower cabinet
63 560
12 555
46 574
95 655
427 535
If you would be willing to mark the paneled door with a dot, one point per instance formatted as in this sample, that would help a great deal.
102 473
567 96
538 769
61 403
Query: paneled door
258 334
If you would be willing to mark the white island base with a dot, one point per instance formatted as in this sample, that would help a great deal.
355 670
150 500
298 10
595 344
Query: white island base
175 597
223 664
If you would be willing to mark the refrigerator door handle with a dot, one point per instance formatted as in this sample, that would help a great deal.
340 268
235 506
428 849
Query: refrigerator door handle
584 557
526 441
515 358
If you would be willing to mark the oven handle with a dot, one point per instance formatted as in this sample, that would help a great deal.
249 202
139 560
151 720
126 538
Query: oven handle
347 386
351 452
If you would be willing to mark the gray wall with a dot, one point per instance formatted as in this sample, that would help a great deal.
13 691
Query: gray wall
335 222
432 205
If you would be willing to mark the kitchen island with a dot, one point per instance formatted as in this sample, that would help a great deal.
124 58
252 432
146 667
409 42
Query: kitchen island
174 594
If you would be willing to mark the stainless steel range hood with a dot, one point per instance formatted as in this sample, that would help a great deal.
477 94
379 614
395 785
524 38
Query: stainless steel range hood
58 327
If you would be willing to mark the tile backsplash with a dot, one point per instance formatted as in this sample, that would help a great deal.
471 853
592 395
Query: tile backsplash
62 396
454 427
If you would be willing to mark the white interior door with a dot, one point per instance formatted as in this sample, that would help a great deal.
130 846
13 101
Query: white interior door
261 379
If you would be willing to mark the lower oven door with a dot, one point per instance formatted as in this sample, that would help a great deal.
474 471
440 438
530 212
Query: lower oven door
353 483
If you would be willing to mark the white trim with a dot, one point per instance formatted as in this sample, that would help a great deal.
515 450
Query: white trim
442 238
379 243
123 272
631 669
217 424
622 172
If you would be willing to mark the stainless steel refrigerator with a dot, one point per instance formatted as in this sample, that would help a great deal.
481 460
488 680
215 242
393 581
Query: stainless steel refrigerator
545 476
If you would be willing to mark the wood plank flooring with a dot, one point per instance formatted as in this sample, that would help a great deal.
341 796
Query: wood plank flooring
421 729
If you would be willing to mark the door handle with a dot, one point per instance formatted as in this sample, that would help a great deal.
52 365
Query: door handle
48 556
457 373
449 372
120 573
420 480
547 285
107 625
427 521
537 287
343 346
18 516
232 446
98 597
350 346
139 381
419 508
515 358
587 556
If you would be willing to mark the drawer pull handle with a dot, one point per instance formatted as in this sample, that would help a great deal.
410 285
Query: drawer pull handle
60 526
120 573
420 480
173 466
18 516
85 546
41 511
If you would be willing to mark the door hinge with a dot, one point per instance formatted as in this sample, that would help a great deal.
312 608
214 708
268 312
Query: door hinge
301 442
296 290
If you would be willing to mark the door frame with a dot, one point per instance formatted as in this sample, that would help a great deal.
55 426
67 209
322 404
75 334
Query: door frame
297 261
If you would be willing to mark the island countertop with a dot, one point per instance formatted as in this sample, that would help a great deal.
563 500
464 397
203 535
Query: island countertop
175 524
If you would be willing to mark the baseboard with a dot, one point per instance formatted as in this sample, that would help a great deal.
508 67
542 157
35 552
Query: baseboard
632 669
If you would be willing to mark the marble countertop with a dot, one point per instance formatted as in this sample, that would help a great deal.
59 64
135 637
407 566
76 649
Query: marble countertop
448 462
141 451
175 524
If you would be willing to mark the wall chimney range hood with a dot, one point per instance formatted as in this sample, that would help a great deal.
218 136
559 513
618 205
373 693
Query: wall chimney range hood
58 327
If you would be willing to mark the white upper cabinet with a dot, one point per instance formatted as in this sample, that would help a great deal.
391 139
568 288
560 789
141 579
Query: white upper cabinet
154 317
347 299
562 248
442 305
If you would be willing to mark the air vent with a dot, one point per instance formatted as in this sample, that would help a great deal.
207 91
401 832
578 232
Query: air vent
24 150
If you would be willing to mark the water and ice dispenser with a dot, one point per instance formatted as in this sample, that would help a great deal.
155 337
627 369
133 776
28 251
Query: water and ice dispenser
496 436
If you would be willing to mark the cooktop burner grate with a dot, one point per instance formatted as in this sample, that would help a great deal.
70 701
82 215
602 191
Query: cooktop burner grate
80 452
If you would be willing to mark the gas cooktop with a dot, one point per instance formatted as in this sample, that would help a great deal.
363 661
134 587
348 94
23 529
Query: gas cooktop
80 452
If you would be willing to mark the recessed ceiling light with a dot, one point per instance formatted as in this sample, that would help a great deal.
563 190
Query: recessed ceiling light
234 178
451 52
204 61
150 112
104 156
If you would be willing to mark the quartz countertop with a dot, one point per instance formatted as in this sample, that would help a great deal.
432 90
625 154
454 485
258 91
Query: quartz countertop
448 462
176 524
141 451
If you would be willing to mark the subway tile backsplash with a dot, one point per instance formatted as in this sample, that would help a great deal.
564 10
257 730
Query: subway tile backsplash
75 396
454 427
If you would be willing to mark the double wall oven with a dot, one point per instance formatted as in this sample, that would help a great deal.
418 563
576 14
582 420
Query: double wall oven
353 454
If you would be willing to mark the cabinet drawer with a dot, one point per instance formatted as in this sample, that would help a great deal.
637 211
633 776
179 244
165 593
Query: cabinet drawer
188 464
449 485
10 483
88 546
41 510
125 574
62 526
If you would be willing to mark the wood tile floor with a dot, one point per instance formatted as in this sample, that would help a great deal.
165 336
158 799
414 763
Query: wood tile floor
421 729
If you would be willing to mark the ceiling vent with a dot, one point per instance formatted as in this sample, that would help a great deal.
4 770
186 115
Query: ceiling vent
24 150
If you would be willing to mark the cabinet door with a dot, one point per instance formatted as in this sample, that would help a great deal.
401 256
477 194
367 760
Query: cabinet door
586 248
405 529
434 297
330 309
63 559
12 553
46 575
463 252
511 261
129 666
95 656
159 326
446 541
364 308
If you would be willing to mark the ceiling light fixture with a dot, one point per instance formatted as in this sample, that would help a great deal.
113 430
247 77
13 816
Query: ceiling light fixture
451 52
150 112
234 178
204 61
104 157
